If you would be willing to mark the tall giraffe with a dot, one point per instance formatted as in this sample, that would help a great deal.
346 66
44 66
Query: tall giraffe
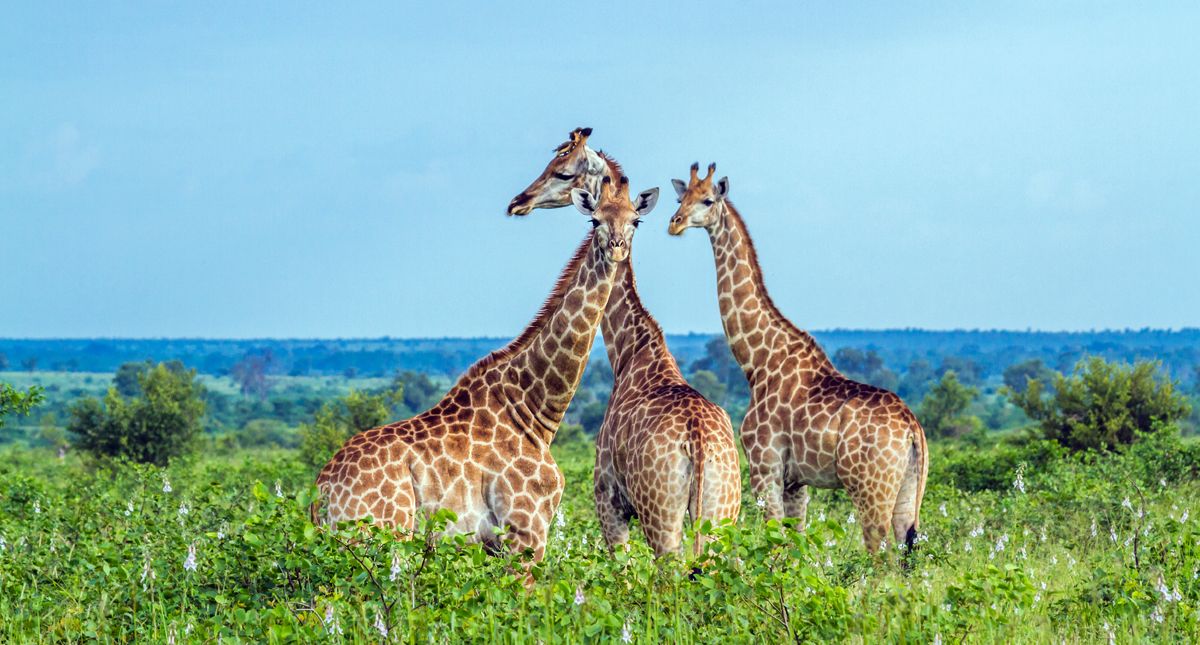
484 450
807 423
663 450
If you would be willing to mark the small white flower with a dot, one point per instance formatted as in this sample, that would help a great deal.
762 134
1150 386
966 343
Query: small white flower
1112 534
942 508
189 563
760 502
1093 527
331 622
221 530
1183 518
171 636
1162 483
1125 503
850 519
967 548
830 543
188 629
1157 616
1054 559
279 491
583 541
828 562
1071 561
380 626
37 507
626 634
821 517
166 484
977 531
148 575
395 567
937 639
1019 482
559 520
184 509
579 597
883 544
129 508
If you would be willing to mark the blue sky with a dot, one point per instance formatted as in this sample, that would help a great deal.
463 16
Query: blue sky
233 171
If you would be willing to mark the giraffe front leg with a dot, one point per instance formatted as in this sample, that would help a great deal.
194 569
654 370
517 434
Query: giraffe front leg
765 457
613 512
795 503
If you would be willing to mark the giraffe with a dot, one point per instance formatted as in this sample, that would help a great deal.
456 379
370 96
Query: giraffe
484 450
807 424
663 450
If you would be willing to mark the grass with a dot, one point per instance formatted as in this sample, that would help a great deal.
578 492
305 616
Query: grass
100 552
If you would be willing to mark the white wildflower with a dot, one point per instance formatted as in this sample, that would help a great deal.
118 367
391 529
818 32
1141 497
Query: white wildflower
1071 561
1112 533
189 563
129 508
967 548
189 628
1054 559
626 633
1162 483
171 636
851 519
977 531
559 520
331 621
1125 503
221 530
1093 527
821 517
1183 518
278 489
760 503
883 545
395 567
380 626
1156 615
37 507
579 597
166 484
828 562
148 575
1019 482
830 543
3 544
942 508
937 639
1042 536
184 509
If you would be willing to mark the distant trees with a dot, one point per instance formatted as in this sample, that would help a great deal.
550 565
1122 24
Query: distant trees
709 386
14 401
30 364
341 419
719 360
1102 405
3 362
250 374
942 410
159 422
866 367
419 391
1018 375
916 380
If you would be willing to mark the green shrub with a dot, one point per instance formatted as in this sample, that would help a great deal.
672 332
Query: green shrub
339 420
160 422
1102 405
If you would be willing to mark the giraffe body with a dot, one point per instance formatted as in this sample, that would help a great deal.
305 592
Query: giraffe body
664 452
484 450
807 424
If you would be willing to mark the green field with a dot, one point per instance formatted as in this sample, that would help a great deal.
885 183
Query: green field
1093 549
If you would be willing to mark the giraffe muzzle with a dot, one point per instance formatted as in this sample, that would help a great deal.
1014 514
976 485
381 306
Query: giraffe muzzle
521 204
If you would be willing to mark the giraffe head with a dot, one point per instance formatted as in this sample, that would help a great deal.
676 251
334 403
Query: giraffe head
700 200
614 215
574 165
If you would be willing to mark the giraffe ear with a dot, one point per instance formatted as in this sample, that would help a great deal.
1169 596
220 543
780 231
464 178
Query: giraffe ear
646 201
680 186
584 201
723 187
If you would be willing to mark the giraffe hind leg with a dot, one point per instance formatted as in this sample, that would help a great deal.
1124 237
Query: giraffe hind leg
904 514
614 513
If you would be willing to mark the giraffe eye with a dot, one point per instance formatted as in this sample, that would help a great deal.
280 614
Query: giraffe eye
564 175
595 222
708 202
637 222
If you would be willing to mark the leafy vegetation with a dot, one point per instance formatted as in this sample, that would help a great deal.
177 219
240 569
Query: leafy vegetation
161 421
13 401
1055 548
1103 405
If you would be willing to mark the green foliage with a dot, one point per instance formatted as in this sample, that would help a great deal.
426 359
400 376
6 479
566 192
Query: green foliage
1018 375
267 433
570 434
941 411
1102 405
709 386
592 416
13 401
339 420
866 367
160 423
1086 550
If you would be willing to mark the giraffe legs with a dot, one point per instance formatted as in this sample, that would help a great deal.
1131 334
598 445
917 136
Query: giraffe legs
613 510
795 502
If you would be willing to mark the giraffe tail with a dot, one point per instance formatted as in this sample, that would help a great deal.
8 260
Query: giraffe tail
697 441
919 470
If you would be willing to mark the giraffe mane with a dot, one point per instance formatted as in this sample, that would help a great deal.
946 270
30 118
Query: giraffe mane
552 303
614 166
756 276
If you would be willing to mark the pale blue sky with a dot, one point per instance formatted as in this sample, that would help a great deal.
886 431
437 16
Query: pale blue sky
228 171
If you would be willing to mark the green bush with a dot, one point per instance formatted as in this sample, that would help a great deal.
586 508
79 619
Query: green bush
339 420
1102 405
160 422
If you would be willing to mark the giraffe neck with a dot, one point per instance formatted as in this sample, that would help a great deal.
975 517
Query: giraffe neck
631 335
756 330
548 358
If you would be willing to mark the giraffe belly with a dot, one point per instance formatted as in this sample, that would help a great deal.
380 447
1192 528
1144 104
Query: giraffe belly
813 458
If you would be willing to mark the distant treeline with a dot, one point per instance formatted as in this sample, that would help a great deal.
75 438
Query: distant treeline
989 351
